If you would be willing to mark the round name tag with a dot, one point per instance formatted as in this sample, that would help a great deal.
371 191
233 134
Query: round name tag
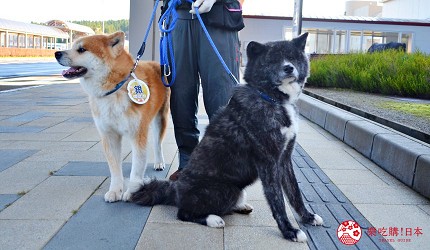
138 91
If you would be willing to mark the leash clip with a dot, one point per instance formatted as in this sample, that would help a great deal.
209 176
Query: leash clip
135 64
166 70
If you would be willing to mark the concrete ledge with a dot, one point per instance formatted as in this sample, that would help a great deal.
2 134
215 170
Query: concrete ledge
336 122
422 175
359 134
398 155
405 158
314 110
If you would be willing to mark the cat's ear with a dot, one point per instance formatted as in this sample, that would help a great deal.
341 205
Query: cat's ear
300 42
254 49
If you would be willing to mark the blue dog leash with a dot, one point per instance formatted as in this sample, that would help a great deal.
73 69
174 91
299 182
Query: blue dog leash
166 25
139 53
168 19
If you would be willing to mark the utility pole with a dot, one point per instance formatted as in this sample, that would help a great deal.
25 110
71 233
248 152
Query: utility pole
297 18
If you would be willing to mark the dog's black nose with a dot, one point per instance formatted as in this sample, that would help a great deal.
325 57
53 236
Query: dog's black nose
58 55
288 69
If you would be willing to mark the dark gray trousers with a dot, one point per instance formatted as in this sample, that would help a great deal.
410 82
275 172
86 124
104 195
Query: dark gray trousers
197 63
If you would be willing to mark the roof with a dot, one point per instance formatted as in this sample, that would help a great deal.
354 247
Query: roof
35 29
67 26
354 19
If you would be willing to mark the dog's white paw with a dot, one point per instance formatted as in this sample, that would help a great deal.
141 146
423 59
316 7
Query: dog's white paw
133 186
127 195
318 221
112 196
300 236
159 166
214 221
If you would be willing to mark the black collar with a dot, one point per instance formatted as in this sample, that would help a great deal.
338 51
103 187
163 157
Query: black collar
118 86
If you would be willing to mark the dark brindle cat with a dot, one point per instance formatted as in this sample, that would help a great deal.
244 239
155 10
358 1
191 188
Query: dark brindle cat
252 137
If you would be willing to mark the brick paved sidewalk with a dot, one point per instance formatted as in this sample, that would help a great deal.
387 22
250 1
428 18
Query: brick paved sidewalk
53 176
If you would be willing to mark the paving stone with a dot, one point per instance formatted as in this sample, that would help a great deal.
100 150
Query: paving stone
53 145
46 121
21 129
66 126
360 194
27 234
9 157
354 177
46 137
101 225
253 238
397 155
360 135
27 116
81 168
85 134
422 175
25 175
68 155
260 216
81 119
11 110
400 216
255 192
186 236
334 158
7 199
425 208
54 199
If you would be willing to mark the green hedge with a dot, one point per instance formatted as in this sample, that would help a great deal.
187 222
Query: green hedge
390 72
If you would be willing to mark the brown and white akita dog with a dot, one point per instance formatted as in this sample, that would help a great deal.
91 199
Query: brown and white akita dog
103 67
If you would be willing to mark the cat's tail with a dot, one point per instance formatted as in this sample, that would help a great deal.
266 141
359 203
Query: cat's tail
156 192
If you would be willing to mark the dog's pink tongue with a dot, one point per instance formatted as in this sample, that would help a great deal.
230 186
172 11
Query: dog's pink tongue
69 71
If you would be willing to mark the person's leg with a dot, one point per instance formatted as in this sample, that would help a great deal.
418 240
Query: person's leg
216 83
184 96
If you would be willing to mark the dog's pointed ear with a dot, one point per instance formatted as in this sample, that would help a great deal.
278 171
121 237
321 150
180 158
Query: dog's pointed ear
254 49
116 41
300 41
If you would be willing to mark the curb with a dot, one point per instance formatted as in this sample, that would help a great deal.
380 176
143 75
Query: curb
394 125
405 158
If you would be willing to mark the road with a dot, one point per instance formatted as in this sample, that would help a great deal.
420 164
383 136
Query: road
26 69
15 74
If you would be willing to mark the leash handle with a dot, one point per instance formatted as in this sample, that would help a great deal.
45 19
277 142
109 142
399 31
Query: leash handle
213 46
166 25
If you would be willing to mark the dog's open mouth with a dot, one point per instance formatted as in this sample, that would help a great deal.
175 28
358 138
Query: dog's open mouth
74 72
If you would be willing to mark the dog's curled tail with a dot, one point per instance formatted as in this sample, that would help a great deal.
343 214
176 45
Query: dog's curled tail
155 192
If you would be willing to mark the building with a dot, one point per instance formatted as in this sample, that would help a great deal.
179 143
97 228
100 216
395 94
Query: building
23 39
328 35
363 8
417 9
343 34
15 34
74 30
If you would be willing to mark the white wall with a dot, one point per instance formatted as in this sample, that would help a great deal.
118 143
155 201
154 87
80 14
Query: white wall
263 30
411 9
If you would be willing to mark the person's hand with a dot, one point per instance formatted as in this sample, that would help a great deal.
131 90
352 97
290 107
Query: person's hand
203 5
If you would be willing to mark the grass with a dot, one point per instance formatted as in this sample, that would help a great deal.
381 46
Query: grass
389 73
417 109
